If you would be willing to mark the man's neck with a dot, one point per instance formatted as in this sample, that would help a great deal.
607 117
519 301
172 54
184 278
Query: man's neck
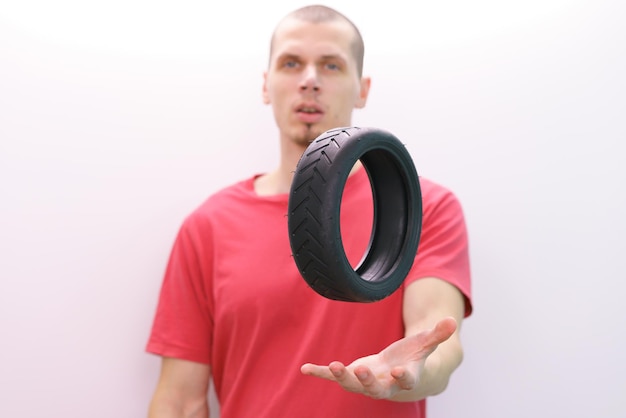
279 181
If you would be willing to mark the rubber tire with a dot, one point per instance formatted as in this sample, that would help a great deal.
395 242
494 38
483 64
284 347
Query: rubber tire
314 208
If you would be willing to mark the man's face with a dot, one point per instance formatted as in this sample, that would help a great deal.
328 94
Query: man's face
312 81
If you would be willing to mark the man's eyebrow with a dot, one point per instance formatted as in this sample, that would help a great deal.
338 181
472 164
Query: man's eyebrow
291 55
332 57
286 55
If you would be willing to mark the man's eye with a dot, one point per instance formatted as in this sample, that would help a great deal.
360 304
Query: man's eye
332 66
290 64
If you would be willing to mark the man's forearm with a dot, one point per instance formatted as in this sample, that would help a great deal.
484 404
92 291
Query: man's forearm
438 368
168 408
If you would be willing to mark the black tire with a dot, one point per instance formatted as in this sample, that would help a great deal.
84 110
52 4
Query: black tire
314 207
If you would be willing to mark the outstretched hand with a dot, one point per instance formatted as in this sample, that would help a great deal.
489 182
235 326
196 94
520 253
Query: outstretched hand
397 367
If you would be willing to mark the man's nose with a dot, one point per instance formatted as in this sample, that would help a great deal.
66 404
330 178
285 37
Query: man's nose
310 80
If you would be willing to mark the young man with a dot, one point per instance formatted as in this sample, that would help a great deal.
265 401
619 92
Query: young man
233 307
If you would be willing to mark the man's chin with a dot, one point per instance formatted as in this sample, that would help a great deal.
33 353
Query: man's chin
308 135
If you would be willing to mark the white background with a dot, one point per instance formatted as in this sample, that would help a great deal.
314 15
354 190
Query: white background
117 118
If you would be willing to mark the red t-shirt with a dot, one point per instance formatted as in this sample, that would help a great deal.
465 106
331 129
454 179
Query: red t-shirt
232 297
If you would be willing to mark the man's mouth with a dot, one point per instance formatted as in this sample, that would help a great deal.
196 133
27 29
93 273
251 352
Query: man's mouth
309 114
310 110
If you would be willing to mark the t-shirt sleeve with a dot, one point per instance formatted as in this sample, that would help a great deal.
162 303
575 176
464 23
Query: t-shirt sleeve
183 323
443 248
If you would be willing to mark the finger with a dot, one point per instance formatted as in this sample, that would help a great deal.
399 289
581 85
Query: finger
371 385
343 376
440 333
446 327
403 378
317 371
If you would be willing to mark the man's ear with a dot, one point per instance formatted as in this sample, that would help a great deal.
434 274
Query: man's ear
265 95
363 92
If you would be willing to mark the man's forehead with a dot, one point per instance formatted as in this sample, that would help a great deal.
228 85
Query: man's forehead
296 36
295 48
333 30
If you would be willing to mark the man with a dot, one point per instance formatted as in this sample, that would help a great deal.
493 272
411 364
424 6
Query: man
234 309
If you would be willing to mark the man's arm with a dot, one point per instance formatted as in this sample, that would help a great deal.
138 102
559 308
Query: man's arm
418 365
427 302
181 390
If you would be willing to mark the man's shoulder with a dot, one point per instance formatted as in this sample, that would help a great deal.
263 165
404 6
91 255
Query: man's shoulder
225 199
434 190
439 198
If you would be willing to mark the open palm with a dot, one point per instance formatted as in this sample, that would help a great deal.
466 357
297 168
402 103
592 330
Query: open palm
397 367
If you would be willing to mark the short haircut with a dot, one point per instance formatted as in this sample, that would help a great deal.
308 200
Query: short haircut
319 14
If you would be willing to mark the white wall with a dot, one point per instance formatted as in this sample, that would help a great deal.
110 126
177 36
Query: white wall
118 118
